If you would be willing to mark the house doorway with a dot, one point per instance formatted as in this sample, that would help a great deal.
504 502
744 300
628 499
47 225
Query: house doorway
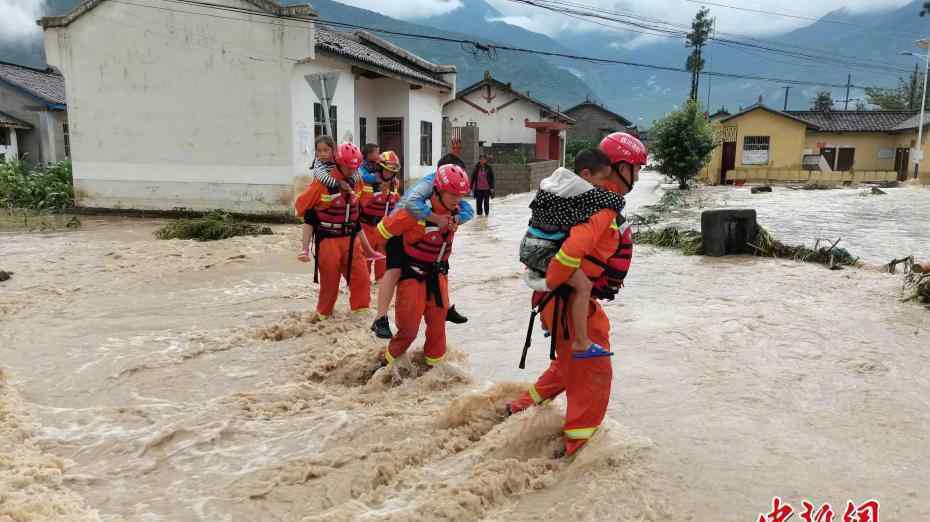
902 159
391 137
729 160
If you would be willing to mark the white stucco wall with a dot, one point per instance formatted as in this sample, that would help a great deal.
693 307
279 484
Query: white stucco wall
385 98
425 105
505 125
182 110
303 100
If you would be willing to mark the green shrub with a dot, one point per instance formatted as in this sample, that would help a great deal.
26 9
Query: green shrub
211 227
38 188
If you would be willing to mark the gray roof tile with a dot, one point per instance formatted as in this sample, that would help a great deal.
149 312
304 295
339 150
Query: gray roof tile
854 121
347 45
47 85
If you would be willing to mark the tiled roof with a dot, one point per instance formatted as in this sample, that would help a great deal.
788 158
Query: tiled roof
854 121
488 80
767 109
913 122
269 6
9 121
348 46
600 107
47 85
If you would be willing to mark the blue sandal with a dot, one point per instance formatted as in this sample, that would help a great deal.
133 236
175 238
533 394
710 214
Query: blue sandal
592 352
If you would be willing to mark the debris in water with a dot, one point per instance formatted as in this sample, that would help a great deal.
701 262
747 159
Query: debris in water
760 189
5 276
878 192
691 242
212 227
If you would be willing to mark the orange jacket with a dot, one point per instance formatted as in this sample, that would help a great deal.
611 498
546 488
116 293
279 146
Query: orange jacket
599 238
404 223
313 196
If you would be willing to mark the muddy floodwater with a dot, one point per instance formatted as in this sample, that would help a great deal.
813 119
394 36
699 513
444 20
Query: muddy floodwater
150 380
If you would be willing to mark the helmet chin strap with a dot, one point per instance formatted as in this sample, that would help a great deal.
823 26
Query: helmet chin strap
618 168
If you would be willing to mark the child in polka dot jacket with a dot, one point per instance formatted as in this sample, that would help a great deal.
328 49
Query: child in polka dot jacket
566 199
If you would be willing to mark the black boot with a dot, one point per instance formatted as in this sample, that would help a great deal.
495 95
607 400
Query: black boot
382 328
454 317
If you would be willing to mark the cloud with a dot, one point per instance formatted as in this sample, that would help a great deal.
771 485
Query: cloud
680 12
19 19
404 9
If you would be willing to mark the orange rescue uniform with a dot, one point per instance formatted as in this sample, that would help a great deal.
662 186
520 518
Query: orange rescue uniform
335 219
375 207
423 292
586 382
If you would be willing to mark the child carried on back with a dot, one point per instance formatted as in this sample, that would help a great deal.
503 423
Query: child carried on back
566 199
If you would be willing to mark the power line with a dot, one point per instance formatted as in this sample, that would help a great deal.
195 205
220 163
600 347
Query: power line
671 30
479 46
794 16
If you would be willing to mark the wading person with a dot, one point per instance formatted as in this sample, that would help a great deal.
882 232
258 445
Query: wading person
380 204
482 186
423 292
600 248
417 201
332 215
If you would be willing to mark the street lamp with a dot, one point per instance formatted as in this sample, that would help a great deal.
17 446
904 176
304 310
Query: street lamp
919 152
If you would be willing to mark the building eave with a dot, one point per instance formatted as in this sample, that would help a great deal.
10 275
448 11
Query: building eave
268 6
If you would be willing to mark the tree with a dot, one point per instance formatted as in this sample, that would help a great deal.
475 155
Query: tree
681 143
926 9
906 96
823 102
701 28
860 106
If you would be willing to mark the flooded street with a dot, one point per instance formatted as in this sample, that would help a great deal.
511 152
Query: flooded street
174 380
876 228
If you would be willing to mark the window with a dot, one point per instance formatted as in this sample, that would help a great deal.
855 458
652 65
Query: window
471 124
755 150
426 143
841 161
64 129
362 132
319 126
5 136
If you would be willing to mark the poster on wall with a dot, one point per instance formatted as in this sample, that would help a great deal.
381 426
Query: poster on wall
755 157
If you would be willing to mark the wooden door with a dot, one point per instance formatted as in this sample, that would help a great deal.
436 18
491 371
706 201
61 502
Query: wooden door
729 160
902 161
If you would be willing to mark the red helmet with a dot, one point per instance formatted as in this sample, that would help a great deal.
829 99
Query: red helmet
622 147
348 155
452 178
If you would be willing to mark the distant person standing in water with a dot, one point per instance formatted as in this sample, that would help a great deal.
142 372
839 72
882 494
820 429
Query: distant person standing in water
482 185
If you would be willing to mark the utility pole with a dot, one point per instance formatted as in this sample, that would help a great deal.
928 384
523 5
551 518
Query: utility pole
848 86
713 33
786 88
912 103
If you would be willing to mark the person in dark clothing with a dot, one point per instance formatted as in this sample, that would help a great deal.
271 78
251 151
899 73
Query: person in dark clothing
454 157
482 185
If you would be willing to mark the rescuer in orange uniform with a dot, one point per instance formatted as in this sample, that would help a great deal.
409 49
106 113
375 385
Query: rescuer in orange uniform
340 250
423 290
601 248
379 204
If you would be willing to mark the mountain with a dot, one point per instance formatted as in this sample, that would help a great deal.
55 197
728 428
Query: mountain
527 72
831 45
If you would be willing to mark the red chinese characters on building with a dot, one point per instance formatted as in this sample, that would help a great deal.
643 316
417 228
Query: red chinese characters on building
780 512
866 512
824 514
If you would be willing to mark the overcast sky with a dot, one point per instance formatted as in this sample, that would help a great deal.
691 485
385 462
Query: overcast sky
678 11
18 16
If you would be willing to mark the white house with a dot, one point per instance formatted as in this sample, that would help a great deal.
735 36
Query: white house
203 106
509 119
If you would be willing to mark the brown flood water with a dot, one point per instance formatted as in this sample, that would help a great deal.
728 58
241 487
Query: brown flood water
171 380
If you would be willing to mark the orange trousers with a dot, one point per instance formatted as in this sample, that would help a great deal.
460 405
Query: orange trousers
586 382
334 264
377 242
412 306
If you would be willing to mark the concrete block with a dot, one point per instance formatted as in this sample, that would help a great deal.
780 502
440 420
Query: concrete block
728 231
